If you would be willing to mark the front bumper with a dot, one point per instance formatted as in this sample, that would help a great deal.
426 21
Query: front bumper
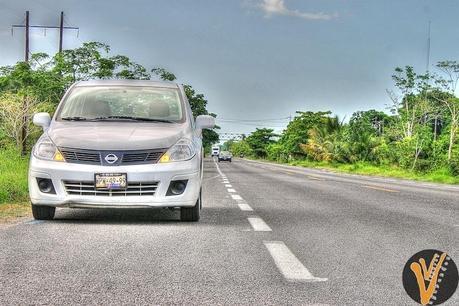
59 172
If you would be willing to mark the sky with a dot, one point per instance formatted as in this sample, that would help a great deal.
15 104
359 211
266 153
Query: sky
255 60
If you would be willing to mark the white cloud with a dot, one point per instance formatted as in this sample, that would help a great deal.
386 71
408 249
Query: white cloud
277 7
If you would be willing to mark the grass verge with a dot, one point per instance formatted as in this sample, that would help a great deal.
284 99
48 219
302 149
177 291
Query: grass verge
13 185
441 175
11 212
13 176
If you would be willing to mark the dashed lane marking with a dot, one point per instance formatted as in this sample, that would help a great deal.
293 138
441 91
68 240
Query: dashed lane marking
288 264
259 225
315 178
211 178
380 188
289 172
228 185
231 190
34 222
236 197
245 207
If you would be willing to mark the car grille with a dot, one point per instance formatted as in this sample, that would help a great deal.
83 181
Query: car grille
94 157
84 157
132 158
87 188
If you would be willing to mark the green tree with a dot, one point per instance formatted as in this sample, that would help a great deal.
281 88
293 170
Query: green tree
449 83
227 145
322 137
297 131
364 133
241 147
93 61
413 111
260 140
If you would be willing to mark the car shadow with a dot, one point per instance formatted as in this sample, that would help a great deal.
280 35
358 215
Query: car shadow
209 216
113 216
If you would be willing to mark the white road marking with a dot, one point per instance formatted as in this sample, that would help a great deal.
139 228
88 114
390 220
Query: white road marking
287 263
236 197
231 190
380 188
228 185
259 225
34 222
315 178
219 171
245 207
211 178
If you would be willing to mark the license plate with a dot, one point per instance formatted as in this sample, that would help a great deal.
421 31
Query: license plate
111 180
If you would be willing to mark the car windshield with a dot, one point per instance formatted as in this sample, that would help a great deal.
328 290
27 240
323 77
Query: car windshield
122 103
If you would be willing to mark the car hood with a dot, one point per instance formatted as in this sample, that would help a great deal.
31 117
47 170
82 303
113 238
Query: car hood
116 135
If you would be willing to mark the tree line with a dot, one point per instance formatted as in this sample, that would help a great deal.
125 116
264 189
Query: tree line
38 85
418 133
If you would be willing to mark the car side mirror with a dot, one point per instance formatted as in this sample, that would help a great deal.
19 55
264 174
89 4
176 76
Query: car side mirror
205 122
42 119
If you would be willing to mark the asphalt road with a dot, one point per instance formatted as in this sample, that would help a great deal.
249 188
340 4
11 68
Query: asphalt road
268 235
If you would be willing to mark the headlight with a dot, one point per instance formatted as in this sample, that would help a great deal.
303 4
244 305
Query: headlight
182 150
45 149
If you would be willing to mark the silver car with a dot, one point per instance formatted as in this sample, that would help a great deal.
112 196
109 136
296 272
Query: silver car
119 144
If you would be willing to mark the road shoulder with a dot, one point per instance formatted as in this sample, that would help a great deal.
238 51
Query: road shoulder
376 178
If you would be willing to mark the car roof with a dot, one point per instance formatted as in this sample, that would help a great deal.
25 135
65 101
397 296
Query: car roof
139 83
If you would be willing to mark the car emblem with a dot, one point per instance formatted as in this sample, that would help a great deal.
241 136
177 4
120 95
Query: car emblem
111 158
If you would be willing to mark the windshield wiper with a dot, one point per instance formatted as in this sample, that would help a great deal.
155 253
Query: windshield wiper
75 118
132 118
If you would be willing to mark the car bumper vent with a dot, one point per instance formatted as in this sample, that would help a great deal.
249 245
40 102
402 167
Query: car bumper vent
86 188
93 157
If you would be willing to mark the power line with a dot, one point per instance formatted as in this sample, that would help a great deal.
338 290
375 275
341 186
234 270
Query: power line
254 120
256 124
28 26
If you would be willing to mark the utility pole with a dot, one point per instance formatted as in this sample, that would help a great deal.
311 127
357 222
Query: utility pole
61 32
26 59
27 27
428 50
27 37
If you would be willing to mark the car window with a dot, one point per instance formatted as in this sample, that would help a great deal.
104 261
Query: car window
145 102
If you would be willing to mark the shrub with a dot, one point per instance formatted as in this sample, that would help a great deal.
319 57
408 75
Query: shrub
453 164
13 176
13 109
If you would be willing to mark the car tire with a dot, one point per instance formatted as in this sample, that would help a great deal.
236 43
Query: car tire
230 160
43 212
191 214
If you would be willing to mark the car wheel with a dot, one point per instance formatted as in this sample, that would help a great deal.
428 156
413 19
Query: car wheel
191 214
230 160
43 212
